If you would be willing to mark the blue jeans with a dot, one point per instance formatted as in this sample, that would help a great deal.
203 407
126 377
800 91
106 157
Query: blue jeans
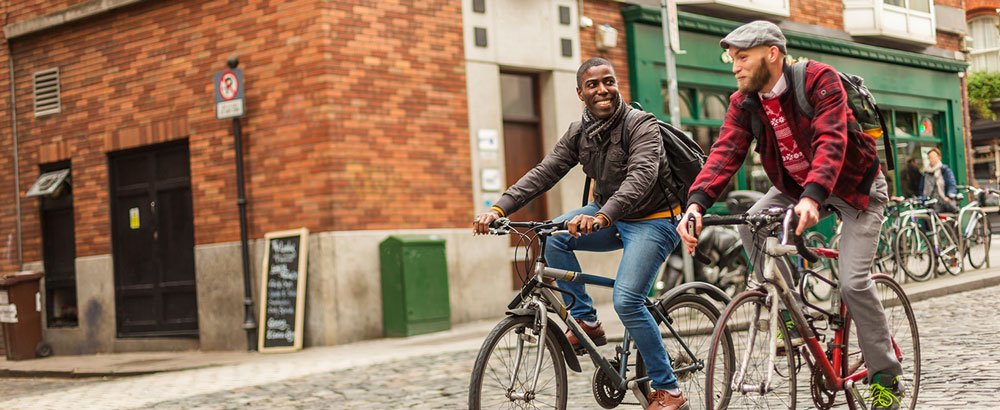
646 245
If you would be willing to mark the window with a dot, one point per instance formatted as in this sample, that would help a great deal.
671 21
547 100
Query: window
985 54
916 5
914 134
59 250
702 113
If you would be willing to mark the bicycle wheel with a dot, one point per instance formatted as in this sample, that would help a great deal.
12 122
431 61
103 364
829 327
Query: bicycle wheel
820 290
693 317
885 258
905 338
949 252
914 253
834 243
503 373
979 241
745 319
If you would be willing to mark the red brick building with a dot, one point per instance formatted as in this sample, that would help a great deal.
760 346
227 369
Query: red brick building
363 120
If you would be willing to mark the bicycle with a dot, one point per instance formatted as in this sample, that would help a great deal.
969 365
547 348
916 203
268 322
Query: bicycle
914 247
762 377
975 239
522 363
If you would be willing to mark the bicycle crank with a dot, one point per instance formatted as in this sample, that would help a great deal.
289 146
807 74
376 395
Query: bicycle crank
822 397
607 394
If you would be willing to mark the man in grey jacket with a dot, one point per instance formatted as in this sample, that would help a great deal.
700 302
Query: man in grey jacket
630 207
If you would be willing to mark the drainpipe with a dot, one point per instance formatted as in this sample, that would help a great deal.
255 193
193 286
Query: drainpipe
17 171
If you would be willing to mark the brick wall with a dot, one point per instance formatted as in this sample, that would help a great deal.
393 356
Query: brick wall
353 121
976 8
607 12
823 13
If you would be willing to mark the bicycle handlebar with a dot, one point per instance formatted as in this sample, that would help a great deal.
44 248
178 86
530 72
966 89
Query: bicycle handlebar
786 216
502 226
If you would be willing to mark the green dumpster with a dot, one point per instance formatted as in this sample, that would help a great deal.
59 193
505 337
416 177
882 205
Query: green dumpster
414 285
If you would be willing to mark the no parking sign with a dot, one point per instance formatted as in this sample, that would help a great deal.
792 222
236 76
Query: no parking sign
229 94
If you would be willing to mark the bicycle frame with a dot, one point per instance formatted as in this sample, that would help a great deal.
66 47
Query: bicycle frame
543 300
776 285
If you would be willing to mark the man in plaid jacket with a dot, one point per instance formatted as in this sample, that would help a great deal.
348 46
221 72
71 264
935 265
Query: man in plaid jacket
813 163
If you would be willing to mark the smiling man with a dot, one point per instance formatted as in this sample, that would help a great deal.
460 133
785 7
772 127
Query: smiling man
824 160
628 204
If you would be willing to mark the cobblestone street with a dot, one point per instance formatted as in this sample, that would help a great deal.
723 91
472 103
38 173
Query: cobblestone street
960 371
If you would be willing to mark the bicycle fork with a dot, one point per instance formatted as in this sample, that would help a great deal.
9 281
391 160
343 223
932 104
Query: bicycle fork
754 328
540 318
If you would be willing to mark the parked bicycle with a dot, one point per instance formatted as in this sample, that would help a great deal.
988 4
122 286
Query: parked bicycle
918 252
765 372
522 363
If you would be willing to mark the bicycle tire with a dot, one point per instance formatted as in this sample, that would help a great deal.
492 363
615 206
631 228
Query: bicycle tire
738 319
694 318
834 243
914 253
903 330
949 253
885 257
504 338
979 241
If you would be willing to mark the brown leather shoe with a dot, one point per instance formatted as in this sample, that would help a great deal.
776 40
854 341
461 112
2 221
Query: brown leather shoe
596 334
661 400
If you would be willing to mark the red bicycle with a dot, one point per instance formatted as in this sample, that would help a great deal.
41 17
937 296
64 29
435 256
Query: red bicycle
765 373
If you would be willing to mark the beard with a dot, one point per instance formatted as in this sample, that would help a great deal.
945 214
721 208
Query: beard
758 80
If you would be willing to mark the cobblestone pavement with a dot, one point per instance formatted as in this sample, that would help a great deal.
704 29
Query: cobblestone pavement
958 337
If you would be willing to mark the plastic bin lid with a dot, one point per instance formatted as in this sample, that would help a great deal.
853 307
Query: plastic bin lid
417 238
9 279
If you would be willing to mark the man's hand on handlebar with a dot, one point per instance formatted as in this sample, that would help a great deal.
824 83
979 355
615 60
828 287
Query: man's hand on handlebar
481 225
808 211
693 214
584 224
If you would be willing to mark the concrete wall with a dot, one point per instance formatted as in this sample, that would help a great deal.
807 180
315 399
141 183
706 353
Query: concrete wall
343 292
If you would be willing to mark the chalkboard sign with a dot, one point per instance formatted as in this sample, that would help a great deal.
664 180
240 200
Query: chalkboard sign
283 292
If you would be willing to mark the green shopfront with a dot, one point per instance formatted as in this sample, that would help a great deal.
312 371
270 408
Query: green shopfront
920 95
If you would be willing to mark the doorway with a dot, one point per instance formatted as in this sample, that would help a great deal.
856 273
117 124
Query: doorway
523 150
153 241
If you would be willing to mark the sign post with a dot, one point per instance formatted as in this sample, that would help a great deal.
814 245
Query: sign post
229 104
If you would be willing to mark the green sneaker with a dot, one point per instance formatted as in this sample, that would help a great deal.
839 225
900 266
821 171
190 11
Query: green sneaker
885 392
793 332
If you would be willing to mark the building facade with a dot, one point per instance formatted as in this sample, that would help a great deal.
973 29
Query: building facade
363 120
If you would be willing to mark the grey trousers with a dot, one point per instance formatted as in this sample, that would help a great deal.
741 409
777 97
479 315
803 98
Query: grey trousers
858 243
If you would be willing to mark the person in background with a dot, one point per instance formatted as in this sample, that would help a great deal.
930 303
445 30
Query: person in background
939 182
909 179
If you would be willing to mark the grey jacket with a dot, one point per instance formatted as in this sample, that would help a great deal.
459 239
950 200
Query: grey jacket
626 183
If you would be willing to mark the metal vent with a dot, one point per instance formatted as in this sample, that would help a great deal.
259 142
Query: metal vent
47 92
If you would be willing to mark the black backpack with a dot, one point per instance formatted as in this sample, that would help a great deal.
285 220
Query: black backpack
860 101
685 158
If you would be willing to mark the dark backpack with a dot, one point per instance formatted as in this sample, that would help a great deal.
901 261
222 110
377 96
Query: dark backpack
868 117
685 158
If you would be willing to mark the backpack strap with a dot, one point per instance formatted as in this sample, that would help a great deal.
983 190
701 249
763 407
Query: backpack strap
798 82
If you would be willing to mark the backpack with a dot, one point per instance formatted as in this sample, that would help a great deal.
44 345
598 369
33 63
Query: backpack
685 159
868 117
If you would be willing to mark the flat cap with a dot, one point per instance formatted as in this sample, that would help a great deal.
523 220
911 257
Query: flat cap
753 34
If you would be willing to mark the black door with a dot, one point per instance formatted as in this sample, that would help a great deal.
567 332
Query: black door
153 241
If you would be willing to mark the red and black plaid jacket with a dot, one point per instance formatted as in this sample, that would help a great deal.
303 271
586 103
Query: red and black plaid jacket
842 159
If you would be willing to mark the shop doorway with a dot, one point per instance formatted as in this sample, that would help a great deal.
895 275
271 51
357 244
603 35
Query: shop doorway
153 241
